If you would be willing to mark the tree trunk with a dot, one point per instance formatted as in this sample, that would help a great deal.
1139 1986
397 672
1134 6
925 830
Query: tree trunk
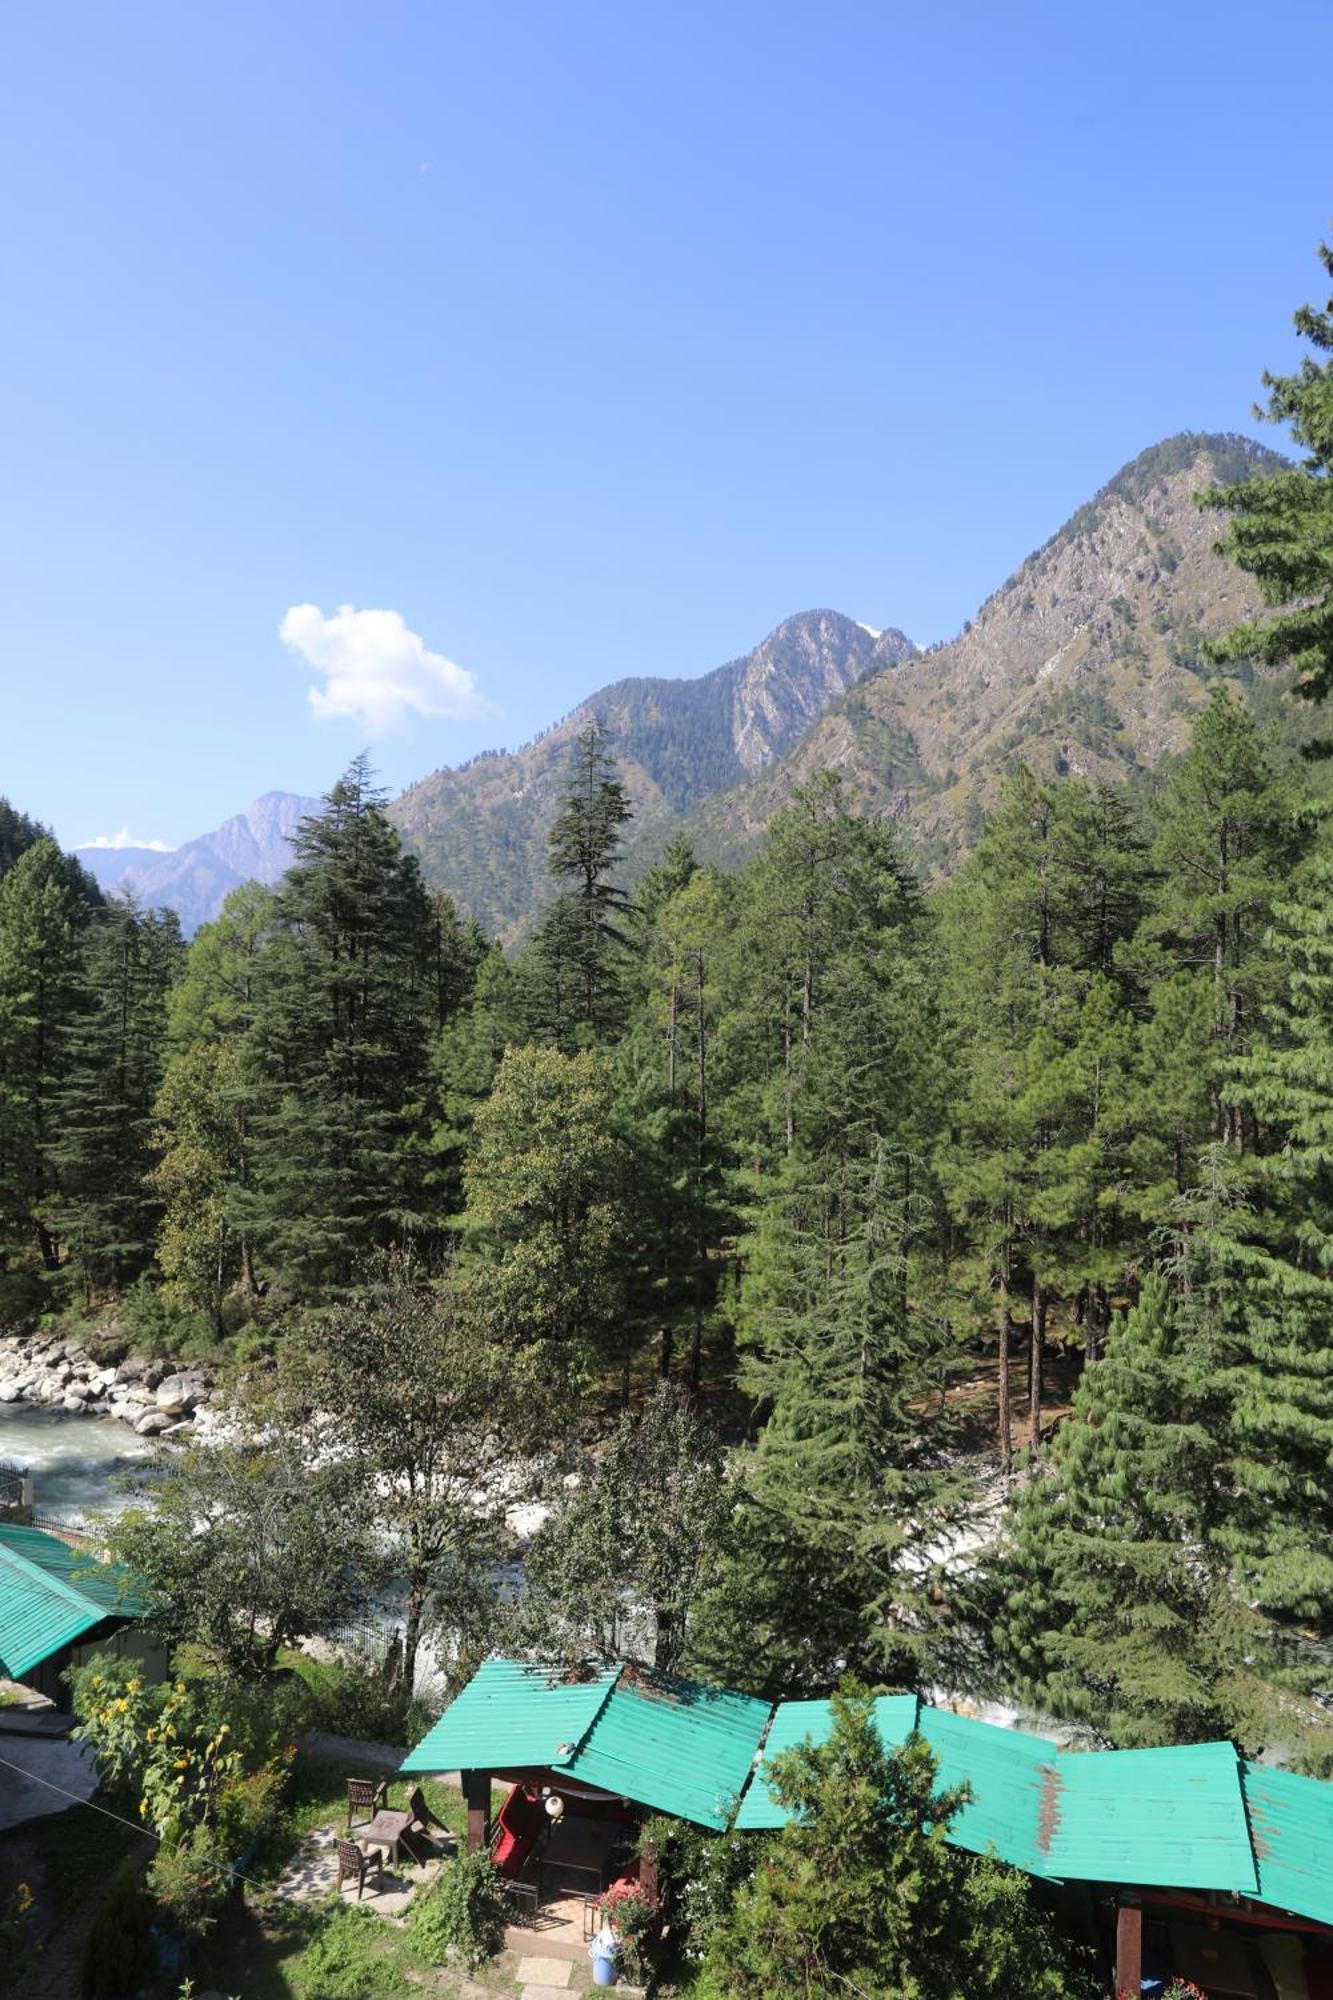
664 1641
1034 1372
416 1606
1003 1437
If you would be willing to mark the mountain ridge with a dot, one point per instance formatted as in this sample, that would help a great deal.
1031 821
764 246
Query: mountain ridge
480 828
196 878
1088 659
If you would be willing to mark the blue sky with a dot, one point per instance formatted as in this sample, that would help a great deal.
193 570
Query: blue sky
582 340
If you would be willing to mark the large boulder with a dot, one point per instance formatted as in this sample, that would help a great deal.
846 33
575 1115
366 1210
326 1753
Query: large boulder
153 1423
177 1394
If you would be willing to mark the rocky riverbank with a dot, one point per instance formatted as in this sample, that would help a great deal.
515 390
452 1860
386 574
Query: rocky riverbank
155 1398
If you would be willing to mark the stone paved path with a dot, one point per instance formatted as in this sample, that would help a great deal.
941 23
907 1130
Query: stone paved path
540 1977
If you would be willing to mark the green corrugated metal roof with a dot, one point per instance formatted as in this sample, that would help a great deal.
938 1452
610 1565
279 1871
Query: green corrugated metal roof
1193 1817
50 1595
812 1721
1004 1769
1170 1818
512 1716
1291 1829
674 1745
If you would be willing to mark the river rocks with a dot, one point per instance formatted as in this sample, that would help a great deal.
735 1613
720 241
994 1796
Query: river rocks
179 1393
151 1395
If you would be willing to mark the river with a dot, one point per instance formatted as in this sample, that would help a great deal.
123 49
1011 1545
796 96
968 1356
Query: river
74 1461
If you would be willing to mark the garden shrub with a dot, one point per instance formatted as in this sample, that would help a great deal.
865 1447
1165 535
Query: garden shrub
120 1955
347 1696
464 1912
698 1874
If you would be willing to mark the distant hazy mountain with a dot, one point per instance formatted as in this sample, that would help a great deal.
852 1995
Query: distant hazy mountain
194 880
481 829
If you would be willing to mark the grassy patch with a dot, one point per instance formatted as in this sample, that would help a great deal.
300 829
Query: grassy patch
325 1951
317 1796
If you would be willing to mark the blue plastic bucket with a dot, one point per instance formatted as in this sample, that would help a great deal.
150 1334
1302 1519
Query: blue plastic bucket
603 1970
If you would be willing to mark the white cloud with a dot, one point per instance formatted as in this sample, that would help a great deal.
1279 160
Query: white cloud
127 839
375 671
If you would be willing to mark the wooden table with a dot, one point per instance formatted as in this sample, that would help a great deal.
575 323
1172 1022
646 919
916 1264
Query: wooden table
386 1830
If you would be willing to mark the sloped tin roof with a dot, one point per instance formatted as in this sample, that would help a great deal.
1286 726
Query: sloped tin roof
1291 1828
796 1722
1004 1770
1192 1817
675 1745
1171 1818
51 1595
512 1716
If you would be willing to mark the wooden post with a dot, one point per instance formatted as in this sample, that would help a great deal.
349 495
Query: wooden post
1128 1949
477 1792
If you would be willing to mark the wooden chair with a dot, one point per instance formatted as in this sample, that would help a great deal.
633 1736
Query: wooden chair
353 1862
366 1796
422 1821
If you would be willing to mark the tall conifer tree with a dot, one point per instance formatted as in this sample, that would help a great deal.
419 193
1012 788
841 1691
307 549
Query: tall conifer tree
346 1001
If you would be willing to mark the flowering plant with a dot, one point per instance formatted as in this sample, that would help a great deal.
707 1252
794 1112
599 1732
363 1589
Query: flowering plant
158 1739
632 1916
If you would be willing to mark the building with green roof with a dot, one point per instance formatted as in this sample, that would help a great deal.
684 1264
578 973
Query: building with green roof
1202 1842
55 1602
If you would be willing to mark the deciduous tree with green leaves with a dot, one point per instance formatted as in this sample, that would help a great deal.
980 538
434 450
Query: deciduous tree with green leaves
401 1380
622 1561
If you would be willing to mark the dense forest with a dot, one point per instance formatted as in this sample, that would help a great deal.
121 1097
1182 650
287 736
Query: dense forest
880 1184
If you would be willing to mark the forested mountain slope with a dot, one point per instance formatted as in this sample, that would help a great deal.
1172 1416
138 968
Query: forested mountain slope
480 830
1087 661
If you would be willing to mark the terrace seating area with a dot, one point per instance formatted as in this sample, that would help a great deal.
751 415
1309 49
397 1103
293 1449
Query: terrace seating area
382 1856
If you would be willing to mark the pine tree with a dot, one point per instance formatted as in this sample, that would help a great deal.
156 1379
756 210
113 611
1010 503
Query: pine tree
574 962
851 1479
42 993
1034 927
670 1089
1229 834
105 1152
1112 1590
207 1106
545 1208
347 995
1162 1577
860 1894
1281 530
1279 1359
831 1020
